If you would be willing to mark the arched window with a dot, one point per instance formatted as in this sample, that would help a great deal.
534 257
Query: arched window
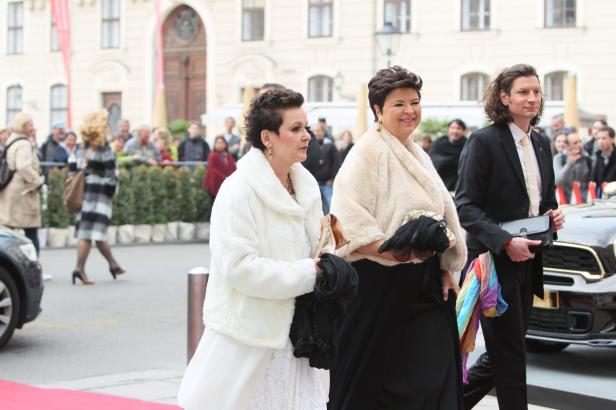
14 102
58 106
320 88
554 85
473 85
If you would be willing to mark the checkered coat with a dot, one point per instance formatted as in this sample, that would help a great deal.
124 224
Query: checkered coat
101 178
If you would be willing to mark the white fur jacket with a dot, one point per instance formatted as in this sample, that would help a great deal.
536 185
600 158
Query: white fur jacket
258 241
380 181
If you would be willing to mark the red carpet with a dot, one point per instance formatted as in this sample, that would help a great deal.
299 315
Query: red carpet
15 396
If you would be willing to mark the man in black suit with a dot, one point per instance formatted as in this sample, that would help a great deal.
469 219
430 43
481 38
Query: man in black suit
605 164
505 174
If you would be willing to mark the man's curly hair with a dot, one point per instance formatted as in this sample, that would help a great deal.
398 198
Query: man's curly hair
387 80
265 113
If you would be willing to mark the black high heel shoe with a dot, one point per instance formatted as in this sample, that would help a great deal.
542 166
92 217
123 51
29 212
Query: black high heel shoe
117 270
83 278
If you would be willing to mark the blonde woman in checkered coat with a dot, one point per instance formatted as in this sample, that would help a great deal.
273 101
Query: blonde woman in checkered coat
91 223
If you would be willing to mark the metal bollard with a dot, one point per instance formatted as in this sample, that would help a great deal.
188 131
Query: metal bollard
197 284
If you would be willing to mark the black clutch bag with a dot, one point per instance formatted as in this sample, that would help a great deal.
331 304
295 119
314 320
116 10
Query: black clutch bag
536 228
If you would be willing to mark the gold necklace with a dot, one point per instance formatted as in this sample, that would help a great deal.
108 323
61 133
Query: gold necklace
289 187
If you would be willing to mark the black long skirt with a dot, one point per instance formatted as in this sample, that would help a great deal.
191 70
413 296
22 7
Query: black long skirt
398 342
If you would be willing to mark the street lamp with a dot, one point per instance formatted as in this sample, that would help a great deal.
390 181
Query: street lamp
388 38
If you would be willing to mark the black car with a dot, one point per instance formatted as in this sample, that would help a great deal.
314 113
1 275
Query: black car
580 282
21 284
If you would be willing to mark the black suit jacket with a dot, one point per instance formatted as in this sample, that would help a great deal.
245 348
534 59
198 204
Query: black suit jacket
605 173
491 189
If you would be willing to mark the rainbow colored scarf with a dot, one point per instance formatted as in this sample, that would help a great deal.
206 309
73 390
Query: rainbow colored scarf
480 292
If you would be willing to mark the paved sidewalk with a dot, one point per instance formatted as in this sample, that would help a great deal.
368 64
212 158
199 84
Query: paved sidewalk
161 386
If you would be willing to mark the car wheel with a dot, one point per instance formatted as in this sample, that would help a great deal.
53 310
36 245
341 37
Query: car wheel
9 306
542 346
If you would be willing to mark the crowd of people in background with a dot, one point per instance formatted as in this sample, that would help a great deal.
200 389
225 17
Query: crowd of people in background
578 160
581 165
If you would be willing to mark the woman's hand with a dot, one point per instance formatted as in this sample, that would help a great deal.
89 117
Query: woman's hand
449 282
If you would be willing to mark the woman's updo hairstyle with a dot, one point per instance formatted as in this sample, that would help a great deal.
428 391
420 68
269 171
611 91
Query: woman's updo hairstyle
265 113
94 128
387 80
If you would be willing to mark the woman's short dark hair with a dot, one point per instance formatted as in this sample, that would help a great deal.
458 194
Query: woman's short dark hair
458 122
387 80
265 113
494 108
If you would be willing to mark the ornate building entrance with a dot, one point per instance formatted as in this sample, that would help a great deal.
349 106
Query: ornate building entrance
185 64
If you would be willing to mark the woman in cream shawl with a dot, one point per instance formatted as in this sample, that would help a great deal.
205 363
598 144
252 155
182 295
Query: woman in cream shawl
399 342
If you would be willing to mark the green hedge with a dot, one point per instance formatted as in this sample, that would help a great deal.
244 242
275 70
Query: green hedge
145 195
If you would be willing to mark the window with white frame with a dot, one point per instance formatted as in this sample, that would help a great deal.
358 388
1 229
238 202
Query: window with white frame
473 86
398 13
554 85
560 13
253 20
475 14
14 102
15 28
110 24
53 41
320 88
58 107
320 18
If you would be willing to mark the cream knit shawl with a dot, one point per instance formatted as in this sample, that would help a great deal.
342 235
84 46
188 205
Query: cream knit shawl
379 183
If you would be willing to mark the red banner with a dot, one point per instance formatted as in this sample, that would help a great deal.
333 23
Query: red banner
60 13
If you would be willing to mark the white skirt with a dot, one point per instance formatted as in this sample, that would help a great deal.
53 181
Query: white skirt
225 374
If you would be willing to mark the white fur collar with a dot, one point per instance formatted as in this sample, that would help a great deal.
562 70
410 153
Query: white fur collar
256 170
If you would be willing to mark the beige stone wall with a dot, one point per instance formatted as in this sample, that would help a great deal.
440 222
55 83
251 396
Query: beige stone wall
435 48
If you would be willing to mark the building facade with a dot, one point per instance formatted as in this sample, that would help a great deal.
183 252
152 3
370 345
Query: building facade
326 49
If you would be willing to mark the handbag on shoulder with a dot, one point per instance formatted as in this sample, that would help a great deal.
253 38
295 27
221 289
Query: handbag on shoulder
536 228
72 197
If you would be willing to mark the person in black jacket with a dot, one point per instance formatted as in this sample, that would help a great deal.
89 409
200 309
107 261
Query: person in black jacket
445 153
328 166
194 147
54 139
506 174
605 165
313 155
591 147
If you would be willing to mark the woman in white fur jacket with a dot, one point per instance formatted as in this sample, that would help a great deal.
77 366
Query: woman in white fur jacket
265 225
399 340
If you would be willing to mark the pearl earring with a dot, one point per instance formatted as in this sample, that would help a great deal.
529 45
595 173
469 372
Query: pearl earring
269 150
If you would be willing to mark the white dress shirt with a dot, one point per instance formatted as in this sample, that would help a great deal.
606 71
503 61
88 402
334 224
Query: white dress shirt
518 134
